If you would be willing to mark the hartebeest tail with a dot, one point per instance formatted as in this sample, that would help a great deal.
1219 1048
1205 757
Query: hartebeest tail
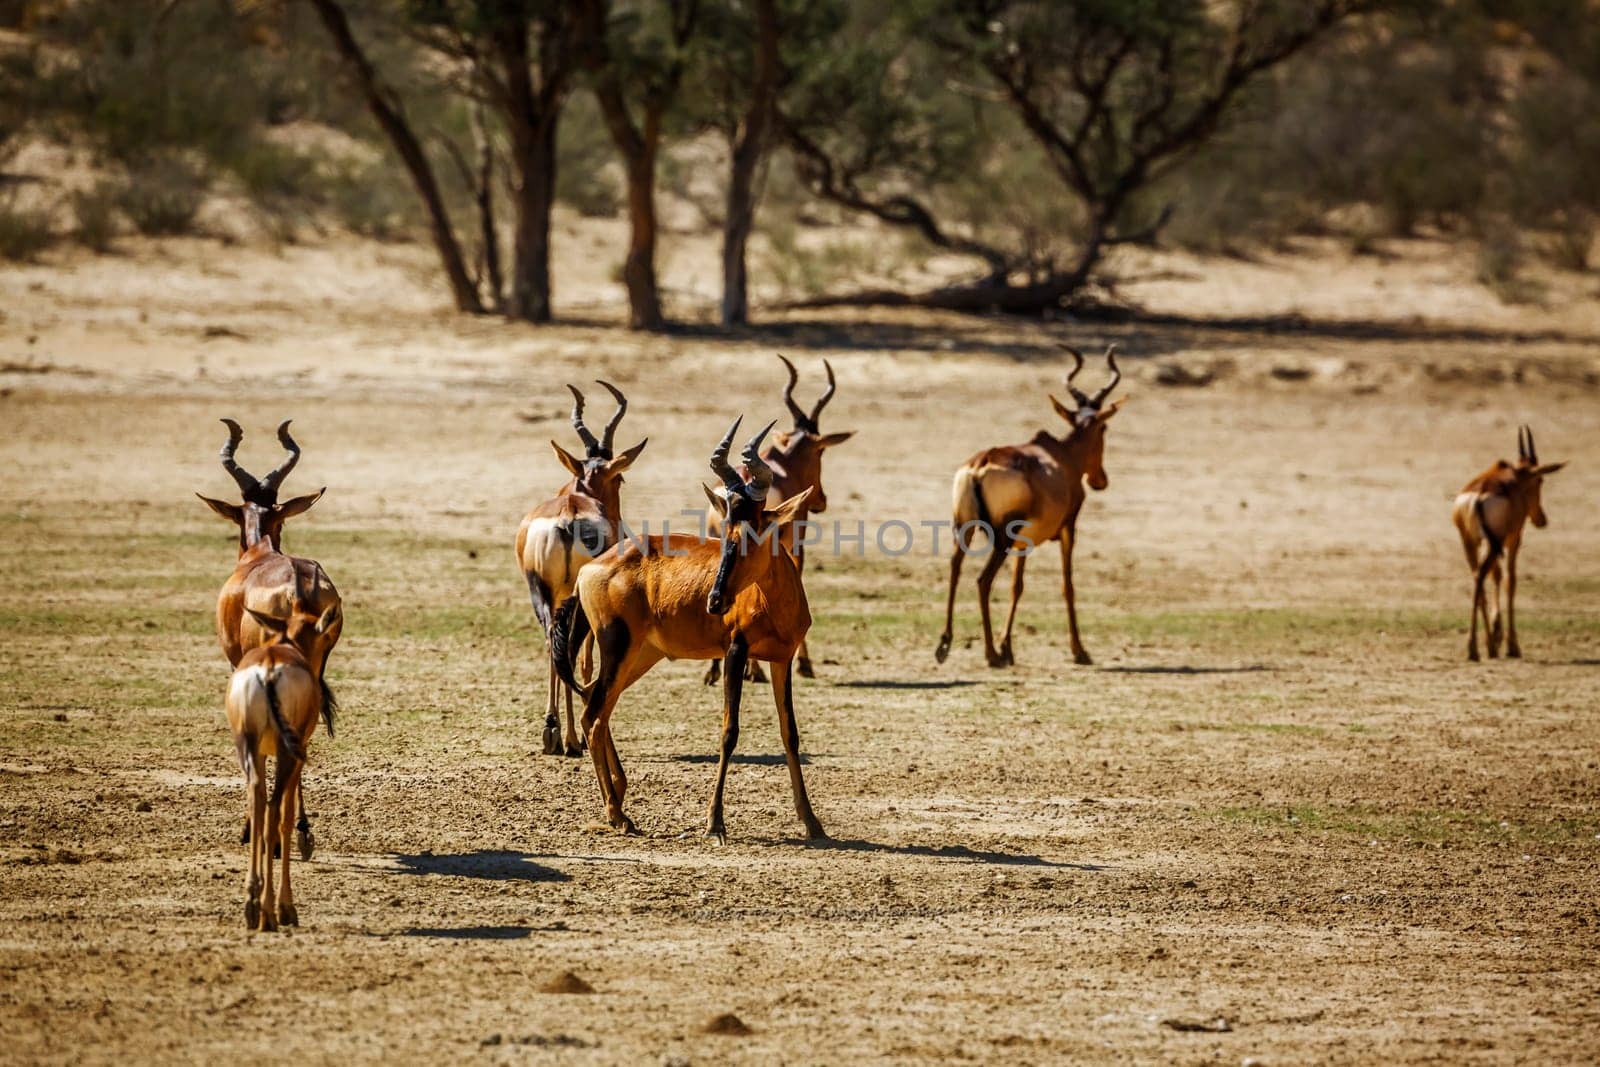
568 630
273 702
1489 514
1015 498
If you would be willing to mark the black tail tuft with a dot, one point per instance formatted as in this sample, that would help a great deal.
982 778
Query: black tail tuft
567 633
288 743
330 706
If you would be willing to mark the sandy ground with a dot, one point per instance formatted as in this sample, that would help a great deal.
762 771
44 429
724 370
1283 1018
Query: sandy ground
1282 820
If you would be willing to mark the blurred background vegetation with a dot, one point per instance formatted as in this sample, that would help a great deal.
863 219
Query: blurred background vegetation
1014 143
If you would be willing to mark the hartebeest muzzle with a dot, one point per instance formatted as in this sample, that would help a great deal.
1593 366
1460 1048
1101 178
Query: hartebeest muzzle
741 504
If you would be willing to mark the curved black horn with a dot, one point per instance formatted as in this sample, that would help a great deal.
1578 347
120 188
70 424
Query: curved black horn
584 435
1077 365
1533 452
800 417
822 401
611 427
719 460
1116 376
244 479
270 483
760 473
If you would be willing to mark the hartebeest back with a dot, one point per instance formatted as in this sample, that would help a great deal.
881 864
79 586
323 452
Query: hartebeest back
738 596
268 583
1490 511
1025 495
273 701
795 458
571 528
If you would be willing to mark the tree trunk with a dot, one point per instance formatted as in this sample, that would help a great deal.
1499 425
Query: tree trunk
748 149
533 166
489 236
385 108
639 149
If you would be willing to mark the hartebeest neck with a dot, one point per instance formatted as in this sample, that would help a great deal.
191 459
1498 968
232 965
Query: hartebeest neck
254 531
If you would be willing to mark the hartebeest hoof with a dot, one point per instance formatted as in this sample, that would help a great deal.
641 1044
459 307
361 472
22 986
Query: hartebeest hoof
574 748
552 738
1472 653
996 660
306 842
717 834
1082 658
943 651
804 667
287 916
754 673
1513 651
252 913
714 672
268 923
815 832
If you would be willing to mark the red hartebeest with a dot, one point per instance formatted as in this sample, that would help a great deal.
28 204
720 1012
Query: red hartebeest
267 583
738 596
273 701
1491 510
570 529
795 457
1024 495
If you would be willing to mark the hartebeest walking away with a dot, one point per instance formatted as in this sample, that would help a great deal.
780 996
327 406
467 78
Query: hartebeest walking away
795 459
1489 513
559 536
1022 496
268 583
738 597
273 701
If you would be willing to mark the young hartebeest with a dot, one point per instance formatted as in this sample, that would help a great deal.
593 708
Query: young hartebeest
273 701
795 457
1025 495
266 582
570 529
738 596
1491 509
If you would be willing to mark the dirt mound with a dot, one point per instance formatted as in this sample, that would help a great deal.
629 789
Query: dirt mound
727 1024
566 982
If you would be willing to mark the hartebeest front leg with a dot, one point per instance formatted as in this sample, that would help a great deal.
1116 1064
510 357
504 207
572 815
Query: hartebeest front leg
302 826
1513 648
1079 654
783 694
1018 562
803 659
1494 621
732 689
551 735
957 554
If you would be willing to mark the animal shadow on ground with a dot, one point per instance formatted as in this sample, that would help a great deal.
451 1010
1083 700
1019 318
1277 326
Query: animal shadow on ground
762 760
496 866
472 933
950 852
890 683
1185 668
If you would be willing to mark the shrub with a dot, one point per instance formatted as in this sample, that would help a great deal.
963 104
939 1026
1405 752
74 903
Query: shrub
163 197
24 232
96 212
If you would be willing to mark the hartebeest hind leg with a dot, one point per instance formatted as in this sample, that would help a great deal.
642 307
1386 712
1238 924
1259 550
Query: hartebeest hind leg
957 555
783 694
803 658
1079 654
621 664
1513 649
732 688
1018 562
287 916
255 806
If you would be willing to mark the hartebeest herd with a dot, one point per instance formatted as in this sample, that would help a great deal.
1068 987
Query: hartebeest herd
734 596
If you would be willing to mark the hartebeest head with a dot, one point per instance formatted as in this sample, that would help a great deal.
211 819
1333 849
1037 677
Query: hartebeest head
1530 475
1088 420
599 473
260 517
799 449
746 520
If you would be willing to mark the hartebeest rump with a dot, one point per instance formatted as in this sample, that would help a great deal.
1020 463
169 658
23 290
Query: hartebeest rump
273 701
571 528
1025 495
795 458
738 597
268 583
1491 510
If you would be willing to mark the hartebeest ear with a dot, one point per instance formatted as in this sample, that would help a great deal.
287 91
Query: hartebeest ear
232 512
624 461
269 622
1549 468
1062 409
1106 413
568 460
718 504
829 440
326 620
290 508
788 509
